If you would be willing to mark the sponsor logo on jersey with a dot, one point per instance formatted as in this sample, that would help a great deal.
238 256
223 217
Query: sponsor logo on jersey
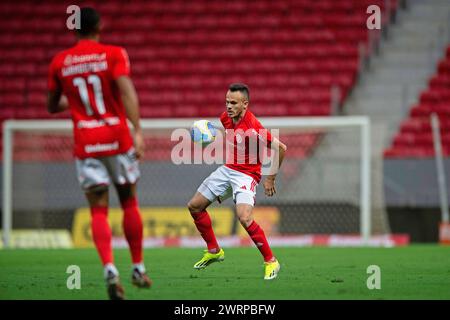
72 59
84 68
90 148
89 124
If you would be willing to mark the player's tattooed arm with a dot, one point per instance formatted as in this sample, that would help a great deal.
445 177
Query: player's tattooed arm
56 101
131 104
269 183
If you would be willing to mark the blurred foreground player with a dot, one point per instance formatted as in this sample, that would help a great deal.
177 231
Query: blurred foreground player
101 96
238 178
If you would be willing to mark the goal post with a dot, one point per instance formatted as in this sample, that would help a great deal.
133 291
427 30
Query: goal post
297 129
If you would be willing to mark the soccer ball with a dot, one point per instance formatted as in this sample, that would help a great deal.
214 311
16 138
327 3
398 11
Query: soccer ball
203 131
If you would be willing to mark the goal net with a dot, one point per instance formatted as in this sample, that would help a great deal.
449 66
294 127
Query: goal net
323 186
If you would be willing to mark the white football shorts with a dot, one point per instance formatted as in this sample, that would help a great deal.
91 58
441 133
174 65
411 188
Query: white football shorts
225 182
98 173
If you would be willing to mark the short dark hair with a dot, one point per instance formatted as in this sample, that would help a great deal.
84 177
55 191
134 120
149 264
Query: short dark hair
89 21
241 87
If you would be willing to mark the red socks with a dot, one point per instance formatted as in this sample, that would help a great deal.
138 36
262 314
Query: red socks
259 238
132 227
101 233
203 223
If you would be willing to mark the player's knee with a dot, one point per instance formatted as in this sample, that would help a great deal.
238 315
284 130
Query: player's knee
194 207
246 221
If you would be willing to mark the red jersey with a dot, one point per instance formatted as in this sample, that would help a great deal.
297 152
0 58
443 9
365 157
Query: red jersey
246 138
85 73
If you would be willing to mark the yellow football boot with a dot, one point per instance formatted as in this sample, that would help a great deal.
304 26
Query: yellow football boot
271 270
209 258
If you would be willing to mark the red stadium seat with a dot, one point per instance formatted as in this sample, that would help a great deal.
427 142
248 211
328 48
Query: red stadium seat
414 138
184 55
186 111
161 111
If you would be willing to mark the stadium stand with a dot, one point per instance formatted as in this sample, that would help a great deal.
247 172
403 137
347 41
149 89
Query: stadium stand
414 138
184 54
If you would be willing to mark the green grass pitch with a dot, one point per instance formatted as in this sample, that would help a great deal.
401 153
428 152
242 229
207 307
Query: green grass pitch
414 272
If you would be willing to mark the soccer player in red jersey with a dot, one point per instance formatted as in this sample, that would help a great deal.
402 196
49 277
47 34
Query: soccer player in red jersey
238 178
93 80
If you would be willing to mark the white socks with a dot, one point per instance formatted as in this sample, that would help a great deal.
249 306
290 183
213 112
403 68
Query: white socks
139 266
110 267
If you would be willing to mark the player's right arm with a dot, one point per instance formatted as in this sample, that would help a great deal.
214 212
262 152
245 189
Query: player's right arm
56 101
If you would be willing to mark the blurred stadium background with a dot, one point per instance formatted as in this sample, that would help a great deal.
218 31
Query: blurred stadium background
300 58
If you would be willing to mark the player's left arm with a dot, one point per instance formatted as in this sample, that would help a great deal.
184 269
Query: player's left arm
269 183
131 104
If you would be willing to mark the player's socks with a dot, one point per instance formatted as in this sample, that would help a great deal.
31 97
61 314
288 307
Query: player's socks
259 238
140 267
101 233
203 223
132 227
109 269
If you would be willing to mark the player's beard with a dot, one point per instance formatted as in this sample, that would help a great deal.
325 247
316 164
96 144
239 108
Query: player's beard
235 115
